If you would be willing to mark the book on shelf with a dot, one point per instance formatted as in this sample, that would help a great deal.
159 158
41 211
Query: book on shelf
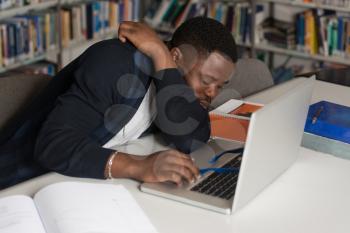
167 15
26 36
70 207
93 19
231 119
310 44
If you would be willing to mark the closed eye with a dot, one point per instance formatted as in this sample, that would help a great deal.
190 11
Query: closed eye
206 81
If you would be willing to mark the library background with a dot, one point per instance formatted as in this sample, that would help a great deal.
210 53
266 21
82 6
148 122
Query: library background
293 37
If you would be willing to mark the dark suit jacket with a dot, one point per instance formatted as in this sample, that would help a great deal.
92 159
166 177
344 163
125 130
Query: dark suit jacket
109 82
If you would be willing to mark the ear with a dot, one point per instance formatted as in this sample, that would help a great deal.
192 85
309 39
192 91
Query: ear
177 55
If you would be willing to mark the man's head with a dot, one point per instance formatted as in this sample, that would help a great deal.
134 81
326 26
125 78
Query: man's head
206 52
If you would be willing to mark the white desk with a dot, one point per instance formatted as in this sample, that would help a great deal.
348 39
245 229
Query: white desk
312 196
323 91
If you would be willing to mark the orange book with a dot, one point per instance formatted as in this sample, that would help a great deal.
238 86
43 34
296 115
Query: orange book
112 15
246 109
126 10
228 127
232 123
65 28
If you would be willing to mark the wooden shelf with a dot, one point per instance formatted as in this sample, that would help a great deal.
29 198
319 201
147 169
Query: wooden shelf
10 12
309 5
28 61
271 48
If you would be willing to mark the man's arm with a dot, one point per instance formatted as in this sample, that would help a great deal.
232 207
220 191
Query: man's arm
184 123
65 144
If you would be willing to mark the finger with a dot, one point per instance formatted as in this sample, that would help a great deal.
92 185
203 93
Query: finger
125 31
122 39
173 176
128 26
176 153
120 34
184 172
186 161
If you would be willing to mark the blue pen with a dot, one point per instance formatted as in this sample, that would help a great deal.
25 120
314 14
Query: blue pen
202 171
219 155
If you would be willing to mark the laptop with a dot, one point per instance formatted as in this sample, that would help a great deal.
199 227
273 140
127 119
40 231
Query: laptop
273 142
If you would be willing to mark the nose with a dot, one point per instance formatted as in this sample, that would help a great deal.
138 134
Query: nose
212 91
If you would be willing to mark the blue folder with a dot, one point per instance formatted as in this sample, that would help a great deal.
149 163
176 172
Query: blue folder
329 120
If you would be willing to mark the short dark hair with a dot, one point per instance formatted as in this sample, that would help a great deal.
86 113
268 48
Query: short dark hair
206 35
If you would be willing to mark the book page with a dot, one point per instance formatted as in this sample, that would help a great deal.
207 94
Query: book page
246 110
76 207
18 214
228 106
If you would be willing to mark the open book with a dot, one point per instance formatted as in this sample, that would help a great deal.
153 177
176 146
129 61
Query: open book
231 119
74 207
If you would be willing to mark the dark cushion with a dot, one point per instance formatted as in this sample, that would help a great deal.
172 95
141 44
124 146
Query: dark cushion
16 92
18 135
251 76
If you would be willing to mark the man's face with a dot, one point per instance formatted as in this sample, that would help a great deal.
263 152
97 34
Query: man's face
207 75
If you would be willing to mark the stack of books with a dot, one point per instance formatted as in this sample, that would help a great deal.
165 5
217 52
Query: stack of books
327 129
27 36
167 15
90 20
278 33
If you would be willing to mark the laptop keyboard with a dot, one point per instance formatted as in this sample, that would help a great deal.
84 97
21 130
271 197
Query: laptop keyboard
221 185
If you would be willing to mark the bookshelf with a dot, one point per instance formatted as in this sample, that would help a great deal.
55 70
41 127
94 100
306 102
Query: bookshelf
255 44
59 54
340 59
250 43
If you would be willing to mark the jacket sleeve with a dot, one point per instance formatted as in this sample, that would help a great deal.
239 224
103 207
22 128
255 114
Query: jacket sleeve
183 122
65 143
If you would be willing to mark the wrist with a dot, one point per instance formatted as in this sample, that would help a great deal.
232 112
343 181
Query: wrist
108 168
127 166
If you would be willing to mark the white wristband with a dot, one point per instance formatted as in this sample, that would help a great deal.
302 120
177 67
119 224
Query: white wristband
109 165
